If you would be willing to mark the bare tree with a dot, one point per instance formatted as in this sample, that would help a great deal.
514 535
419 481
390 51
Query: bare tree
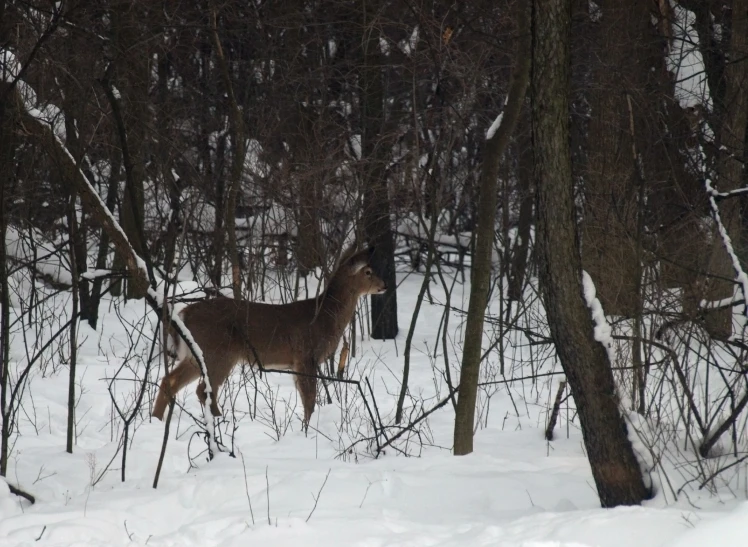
615 468
730 168
480 274
376 215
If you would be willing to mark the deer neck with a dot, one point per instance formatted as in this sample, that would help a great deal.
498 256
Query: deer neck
336 308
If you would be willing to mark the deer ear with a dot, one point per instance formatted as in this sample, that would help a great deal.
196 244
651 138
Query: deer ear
358 261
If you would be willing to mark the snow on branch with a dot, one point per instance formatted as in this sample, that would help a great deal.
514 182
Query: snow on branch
494 126
742 278
728 302
603 333
41 127
497 122
731 193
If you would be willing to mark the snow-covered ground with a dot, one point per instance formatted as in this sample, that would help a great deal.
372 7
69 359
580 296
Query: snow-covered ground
515 489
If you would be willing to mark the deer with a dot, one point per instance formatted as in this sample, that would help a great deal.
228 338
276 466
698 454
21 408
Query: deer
296 336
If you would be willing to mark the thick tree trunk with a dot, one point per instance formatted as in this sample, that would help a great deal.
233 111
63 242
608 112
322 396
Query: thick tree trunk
376 217
614 466
103 251
131 119
4 340
238 139
480 277
730 171
309 249
521 250
81 251
7 146
309 238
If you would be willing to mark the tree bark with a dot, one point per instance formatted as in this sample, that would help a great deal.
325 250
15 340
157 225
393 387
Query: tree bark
614 466
376 217
91 201
72 225
103 251
7 146
238 139
521 250
484 232
730 171
304 143
131 120
80 242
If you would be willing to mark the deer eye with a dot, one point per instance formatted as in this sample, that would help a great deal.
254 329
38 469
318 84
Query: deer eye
368 273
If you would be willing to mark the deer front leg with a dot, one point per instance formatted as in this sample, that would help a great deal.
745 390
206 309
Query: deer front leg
306 383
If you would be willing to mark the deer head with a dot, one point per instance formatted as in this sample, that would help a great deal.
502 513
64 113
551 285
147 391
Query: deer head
358 276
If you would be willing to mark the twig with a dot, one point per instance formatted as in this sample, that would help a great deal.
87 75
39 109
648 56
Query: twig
246 488
376 409
319 494
360 505
554 412
129 535
419 419
163 444
267 492
725 468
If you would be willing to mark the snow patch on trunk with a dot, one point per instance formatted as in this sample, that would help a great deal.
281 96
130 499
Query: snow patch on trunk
603 332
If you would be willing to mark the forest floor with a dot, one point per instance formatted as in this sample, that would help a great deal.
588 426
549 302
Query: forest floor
321 488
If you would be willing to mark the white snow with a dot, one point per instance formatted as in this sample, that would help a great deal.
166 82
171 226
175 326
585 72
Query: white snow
603 333
93 274
685 60
408 46
324 488
497 122
515 489
740 274
384 46
494 126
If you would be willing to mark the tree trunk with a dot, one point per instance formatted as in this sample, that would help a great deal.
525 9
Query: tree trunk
730 171
309 249
6 173
4 337
73 322
131 120
521 251
80 242
614 466
238 139
103 252
376 217
480 277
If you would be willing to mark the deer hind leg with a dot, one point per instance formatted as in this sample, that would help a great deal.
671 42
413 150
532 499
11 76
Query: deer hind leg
182 374
202 396
307 386
221 365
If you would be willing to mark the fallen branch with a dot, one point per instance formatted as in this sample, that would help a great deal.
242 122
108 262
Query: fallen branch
136 266
18 492
319 494
554 413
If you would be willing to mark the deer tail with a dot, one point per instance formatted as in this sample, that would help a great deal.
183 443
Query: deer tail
174 348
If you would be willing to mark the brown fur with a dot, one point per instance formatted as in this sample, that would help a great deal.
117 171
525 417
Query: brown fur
296 336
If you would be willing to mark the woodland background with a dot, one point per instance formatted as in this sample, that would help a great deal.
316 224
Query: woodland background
243 144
